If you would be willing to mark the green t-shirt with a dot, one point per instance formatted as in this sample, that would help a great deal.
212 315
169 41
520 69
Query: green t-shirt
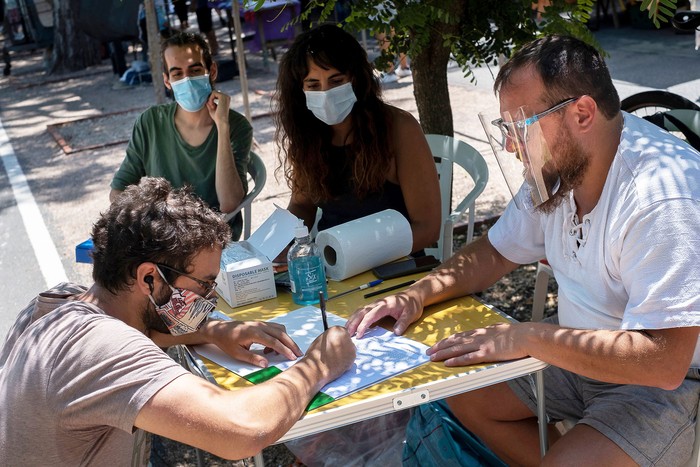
156 149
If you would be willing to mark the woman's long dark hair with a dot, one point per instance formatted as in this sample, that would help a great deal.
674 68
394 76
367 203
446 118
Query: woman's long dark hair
302 138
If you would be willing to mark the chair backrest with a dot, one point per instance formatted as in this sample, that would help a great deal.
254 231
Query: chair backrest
447 152
685 121
258 175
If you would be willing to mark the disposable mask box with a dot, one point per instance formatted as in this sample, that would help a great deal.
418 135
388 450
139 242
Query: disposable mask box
246 274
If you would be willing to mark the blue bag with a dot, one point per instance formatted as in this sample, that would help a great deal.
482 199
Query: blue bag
434 437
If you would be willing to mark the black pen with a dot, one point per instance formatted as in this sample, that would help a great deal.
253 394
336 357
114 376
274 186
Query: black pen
389 289
359 287
323 310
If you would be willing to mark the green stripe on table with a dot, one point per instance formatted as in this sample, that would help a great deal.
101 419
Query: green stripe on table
265 374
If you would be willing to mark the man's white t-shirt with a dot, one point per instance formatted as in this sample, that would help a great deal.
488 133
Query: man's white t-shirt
633 262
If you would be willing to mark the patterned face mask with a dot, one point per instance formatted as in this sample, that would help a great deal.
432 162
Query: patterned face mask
332 106
192 93
185 311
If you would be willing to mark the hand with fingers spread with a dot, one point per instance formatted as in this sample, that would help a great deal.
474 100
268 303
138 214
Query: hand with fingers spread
405 307
491 344
236 337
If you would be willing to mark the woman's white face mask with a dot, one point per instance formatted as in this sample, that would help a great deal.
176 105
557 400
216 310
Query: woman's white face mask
332 106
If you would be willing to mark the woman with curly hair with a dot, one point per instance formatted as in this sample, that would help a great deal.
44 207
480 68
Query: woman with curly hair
342 148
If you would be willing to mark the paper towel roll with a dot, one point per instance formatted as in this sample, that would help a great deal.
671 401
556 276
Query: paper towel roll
359 245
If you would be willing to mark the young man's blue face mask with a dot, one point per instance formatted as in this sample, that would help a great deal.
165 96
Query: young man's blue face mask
192 93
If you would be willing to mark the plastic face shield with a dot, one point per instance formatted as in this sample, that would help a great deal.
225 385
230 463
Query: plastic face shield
523 155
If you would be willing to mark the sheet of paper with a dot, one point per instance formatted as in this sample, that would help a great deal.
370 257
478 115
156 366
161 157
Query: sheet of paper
380 353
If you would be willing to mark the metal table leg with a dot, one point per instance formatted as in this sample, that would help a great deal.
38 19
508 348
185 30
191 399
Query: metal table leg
541 415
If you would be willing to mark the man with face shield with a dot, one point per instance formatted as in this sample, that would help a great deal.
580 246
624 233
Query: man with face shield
82 381
613 203
197 139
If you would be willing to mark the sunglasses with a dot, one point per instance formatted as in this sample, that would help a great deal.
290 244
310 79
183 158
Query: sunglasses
207 286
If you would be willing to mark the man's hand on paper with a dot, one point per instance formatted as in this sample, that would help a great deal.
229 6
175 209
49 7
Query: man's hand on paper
236 337
331 353
405 307
491 344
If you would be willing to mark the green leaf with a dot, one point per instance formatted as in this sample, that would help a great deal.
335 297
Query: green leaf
666 12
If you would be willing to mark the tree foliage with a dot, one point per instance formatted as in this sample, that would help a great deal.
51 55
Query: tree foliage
485 30
659 10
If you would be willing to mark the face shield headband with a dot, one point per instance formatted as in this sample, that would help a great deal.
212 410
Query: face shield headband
523 154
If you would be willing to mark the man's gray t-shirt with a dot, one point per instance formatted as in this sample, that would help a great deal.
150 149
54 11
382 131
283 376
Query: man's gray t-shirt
72 385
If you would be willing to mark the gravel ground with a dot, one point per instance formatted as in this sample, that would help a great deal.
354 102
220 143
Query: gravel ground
512 295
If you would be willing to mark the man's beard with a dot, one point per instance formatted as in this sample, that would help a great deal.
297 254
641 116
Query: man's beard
151 318
571 164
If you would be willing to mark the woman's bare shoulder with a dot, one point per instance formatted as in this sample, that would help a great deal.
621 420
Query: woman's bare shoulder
402 120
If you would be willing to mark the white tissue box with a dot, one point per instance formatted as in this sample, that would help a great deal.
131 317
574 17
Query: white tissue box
246 274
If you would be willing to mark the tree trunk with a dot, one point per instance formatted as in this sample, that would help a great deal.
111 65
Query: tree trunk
154 60
72 49
429 68
430 89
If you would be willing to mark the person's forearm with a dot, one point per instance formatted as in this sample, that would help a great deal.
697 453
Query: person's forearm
256 424
288 395
229 189
193 411
424 234
204 335
472 269
658 358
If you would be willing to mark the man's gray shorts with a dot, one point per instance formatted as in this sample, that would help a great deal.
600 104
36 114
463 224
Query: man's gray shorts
653 426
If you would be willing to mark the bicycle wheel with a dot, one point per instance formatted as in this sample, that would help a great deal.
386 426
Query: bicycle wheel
653 105
648 103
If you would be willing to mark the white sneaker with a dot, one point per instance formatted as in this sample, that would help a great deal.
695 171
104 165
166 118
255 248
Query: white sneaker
386 78
403 72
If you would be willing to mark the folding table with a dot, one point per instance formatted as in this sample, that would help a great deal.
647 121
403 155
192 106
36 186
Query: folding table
431 381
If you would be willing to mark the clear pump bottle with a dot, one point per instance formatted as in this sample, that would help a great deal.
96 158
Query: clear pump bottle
306 272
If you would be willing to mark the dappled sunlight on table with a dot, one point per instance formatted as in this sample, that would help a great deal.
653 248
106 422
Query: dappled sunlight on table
438 322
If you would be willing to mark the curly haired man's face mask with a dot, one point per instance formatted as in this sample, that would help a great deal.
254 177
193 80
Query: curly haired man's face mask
185 311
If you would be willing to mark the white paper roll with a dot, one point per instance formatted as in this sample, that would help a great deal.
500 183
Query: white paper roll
359 245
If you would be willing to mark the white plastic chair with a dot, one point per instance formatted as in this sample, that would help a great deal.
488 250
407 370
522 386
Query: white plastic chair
258 175
448 151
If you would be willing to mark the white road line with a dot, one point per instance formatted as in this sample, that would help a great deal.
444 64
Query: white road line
44 248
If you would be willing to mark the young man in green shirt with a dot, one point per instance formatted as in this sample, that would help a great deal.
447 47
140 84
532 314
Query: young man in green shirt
196 140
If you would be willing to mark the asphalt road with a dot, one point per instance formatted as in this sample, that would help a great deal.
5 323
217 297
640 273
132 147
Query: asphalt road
29 222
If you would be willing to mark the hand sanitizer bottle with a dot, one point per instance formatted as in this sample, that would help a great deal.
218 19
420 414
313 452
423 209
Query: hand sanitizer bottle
306 273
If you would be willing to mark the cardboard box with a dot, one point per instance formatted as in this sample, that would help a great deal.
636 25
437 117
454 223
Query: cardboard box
246 274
